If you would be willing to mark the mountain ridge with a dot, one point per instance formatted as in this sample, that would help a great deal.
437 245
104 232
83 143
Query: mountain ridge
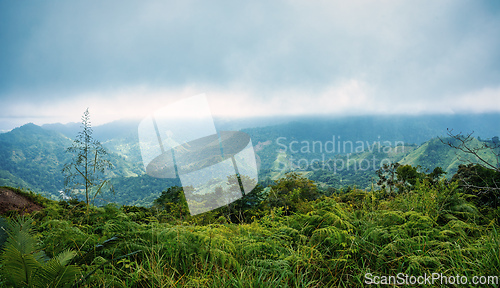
32 156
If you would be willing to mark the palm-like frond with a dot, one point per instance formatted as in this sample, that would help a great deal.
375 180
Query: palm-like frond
25 266
55 273
21 235
20 258
18 267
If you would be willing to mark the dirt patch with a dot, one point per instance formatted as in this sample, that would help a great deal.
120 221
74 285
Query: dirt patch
10 200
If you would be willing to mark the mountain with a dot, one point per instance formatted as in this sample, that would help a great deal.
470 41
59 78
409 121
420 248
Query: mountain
69 130
348 140
434 153
119 137
409 129
335 152
359 168
33 157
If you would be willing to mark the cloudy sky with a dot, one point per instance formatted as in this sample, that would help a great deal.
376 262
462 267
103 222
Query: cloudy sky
251 58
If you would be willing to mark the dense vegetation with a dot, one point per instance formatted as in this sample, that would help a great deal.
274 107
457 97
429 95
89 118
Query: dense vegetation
291 234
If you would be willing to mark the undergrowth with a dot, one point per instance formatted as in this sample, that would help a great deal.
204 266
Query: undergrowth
331 241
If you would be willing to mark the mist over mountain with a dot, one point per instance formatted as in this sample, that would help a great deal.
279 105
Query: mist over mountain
410 129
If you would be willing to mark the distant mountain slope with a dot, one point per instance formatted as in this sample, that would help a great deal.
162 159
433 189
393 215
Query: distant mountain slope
69 130
409 129
120 136
434 153
8 179
33 157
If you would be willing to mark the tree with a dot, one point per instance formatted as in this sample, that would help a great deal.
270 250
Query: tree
173 201
88 165
465 143
247 206
407 177
481 176
404 177
387 176
482 182
291 191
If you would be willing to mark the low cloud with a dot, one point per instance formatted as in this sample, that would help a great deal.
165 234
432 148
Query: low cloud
252 59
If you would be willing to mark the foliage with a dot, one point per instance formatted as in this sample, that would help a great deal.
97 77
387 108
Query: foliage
387 176
404 177
3 231
25 265
172 201
295 237
291 192
482 182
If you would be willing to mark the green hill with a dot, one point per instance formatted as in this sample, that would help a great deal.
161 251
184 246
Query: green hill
434 153
33 157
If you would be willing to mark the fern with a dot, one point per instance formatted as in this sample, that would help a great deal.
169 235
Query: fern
27 266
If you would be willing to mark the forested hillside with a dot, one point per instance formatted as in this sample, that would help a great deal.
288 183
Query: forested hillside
435 153
32 157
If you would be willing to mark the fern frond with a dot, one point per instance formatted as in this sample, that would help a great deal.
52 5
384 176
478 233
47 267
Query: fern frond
56 273
18 267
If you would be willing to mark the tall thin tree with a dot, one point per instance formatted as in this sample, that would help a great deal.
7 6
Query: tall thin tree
88 165
481 175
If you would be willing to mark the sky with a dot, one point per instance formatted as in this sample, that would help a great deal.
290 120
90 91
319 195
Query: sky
251 58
